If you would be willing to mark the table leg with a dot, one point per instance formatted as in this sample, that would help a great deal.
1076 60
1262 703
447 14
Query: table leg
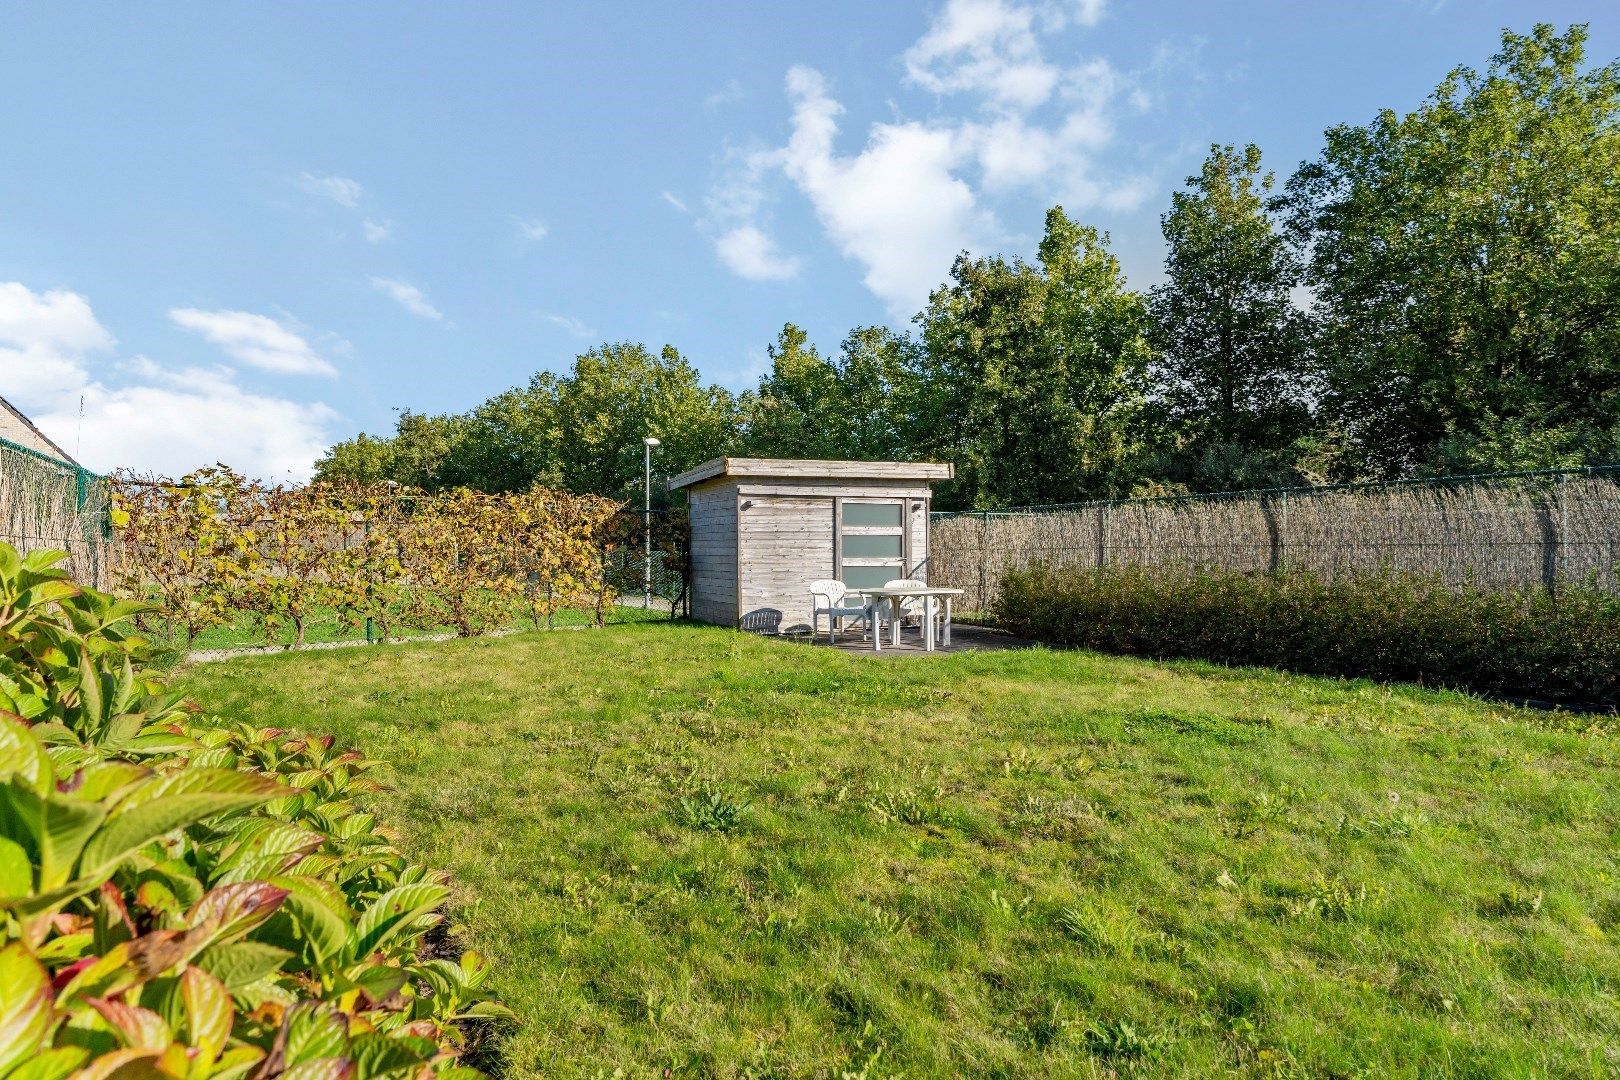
928 624
947 622
894 618
874 627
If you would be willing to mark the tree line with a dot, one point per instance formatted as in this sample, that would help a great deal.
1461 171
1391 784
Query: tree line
1436 292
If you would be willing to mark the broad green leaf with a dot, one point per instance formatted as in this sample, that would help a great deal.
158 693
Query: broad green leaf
168 803
46 592
240 964
314 1033
22 756
325 1069
209 1012
485 1010
376 1055
25 1006
236 1062
54 1064
16 870
317 915
68 824
393 913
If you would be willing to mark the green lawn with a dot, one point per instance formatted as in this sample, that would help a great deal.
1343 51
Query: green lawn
696 851
246 629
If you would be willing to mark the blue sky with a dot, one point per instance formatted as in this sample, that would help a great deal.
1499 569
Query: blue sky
241 232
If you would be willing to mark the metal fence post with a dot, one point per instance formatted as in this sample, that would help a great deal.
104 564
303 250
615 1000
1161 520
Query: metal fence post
1560 563
1282 535
365 525
984 559
1105 515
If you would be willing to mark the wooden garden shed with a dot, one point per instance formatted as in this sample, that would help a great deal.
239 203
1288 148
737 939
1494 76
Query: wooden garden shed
764 528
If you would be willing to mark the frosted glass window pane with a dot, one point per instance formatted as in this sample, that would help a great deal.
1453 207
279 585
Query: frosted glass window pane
885 515
872 547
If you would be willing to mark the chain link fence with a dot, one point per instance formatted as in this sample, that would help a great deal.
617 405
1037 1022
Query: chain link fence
1496 530
47 503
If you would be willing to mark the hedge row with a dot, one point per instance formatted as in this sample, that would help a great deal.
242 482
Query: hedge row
1534 644
181 900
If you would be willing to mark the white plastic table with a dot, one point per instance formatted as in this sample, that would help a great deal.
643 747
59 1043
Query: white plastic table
931 598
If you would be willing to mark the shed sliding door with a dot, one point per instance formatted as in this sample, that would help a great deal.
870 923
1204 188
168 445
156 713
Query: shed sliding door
871 541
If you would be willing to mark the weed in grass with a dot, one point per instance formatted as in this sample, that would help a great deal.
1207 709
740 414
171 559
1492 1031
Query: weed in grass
712 810
1389 825
1019 762
1104 929
1123 1039
909 807
1266 808
1336 899
1515 900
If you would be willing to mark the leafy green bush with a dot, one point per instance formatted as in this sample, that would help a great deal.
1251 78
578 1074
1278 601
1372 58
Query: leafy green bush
1562 646
183 900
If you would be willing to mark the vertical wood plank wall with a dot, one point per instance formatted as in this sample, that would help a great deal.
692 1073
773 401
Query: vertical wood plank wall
712 510
786 543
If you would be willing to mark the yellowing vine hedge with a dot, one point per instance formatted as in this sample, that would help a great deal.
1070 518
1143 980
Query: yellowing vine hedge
213 544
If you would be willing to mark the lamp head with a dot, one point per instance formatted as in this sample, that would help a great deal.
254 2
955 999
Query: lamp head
650 441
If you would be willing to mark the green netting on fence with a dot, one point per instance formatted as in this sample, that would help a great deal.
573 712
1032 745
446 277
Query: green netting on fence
46 503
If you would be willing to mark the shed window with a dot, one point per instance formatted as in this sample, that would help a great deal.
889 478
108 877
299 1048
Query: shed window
873 547
871 542
875 514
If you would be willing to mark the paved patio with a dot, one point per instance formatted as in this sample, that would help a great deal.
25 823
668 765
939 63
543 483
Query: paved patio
963 639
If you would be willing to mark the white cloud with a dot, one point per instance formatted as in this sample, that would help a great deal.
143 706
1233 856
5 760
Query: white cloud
377 231
750 254
987 47
44 339
340 189
531 230
672 199
137 414
256 340
919 192
573 326
407 296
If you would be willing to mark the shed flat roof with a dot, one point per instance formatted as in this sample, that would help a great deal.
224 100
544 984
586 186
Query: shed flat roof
807 467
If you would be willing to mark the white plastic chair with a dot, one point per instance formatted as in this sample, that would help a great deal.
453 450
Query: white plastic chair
827 598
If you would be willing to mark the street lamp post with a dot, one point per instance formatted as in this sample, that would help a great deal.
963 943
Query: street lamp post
647 445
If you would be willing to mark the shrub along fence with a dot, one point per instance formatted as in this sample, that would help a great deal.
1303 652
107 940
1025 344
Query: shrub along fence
1496 531
1523 643
214 548
46 503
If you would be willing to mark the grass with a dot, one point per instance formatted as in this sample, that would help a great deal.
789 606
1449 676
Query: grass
246 629
695 853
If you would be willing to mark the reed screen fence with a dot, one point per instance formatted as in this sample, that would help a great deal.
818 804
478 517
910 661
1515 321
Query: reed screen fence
46 503
1499 530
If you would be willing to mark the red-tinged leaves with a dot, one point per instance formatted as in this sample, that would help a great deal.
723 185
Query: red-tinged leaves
127 1064
26 1013
210 1012
137 1028
325 1069
228 912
